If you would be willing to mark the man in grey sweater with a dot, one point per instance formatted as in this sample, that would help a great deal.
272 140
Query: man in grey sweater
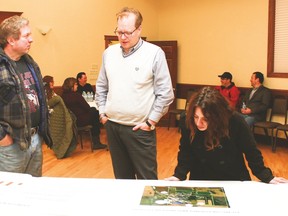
133 92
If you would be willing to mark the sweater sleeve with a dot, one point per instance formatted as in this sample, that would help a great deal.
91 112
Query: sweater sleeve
247 144
183 157
54 101
162 87
234 96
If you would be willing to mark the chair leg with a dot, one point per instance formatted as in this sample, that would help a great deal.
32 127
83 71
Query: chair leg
272 139
80 134
286 134
91 139
266 132
81 143
275 142
169 121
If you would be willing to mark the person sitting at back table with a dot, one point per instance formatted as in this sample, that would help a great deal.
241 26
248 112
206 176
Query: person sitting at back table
83 86
228 89
85 114
214 140
256 101
62 123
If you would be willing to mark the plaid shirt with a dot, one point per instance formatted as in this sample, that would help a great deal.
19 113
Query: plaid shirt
15 118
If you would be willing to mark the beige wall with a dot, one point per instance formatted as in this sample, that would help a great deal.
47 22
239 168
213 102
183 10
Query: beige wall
213 35
216 36
76 41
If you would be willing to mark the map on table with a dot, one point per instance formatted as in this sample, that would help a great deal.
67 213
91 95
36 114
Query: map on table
184 196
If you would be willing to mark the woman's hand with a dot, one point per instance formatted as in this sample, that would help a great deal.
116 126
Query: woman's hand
246 111
172 178
277 180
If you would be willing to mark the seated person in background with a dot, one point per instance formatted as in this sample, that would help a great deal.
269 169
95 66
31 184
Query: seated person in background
256 101
85 114
62 123
228 89
82 84
214 140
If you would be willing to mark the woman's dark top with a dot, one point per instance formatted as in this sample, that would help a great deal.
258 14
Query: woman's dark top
226 162
77 104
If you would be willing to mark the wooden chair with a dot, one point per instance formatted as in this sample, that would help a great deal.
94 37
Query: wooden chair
177 112
278 109
85 129
283 127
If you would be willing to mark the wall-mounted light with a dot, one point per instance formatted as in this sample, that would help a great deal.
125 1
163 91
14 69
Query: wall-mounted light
44 29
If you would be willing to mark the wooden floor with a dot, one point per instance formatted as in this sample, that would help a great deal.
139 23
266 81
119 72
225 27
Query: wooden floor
85 164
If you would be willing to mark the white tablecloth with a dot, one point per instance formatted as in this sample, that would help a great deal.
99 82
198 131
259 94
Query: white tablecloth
46 196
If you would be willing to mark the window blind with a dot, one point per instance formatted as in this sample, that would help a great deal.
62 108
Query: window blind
281 37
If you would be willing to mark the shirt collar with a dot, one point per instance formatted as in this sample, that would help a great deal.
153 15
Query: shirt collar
133 49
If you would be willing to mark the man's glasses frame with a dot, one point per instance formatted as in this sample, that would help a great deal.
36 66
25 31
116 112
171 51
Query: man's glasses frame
126 34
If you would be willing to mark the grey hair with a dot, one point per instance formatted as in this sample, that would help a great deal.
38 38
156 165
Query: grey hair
11 27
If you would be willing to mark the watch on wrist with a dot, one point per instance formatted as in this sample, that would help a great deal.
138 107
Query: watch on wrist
152 127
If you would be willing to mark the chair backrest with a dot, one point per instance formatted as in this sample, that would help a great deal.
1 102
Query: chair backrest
286 114
279 107
190 92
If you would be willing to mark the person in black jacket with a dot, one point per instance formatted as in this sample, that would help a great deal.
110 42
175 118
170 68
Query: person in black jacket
256 101
83 86
214 140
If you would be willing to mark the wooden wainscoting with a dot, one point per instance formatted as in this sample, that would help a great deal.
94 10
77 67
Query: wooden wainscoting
182 89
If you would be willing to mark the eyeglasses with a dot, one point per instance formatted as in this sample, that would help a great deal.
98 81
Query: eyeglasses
126 34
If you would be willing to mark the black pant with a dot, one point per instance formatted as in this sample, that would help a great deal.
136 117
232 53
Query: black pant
133 153
94 121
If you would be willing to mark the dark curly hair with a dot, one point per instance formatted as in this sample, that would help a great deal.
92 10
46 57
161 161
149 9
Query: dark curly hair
216 110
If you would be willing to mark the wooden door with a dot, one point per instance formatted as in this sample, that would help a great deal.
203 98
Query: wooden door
170 49
6 14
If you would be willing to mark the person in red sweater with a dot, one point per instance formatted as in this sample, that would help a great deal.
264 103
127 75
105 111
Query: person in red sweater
228 89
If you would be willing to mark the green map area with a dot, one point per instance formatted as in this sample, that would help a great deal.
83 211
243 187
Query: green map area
185 196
